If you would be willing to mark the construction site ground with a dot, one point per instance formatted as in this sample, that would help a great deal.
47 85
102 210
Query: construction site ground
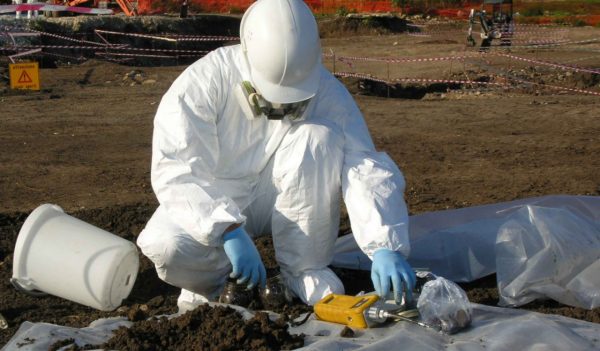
84 142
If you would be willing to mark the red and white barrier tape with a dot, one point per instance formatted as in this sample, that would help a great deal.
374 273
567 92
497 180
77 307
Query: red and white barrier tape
401 59
530 42
170 37
19 34
74 47
418 35
543 25
100 53
52 35
188 37
454 81
48 7
80 58
583 58
135 35
414 80
569 42
514 33
207 38
556 87
23 53
219 37
544 32
552 45
552 64
128 54
449 81
346 59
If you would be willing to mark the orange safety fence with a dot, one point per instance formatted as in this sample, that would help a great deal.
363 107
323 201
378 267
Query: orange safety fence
448 9
317 6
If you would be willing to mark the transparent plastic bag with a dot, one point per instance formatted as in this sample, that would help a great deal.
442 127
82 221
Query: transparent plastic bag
444 305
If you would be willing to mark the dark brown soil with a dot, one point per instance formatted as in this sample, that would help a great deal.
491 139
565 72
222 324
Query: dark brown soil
84 141
206 328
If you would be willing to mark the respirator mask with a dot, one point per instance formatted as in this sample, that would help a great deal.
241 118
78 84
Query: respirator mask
255 106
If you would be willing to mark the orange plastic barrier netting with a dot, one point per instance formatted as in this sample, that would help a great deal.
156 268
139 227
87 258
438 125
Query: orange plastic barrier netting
318 6
458 10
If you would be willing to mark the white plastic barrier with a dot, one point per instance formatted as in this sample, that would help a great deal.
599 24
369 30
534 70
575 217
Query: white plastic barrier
64 256
549 247
460 244
552 253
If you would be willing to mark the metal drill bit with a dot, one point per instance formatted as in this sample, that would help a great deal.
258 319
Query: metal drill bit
400 317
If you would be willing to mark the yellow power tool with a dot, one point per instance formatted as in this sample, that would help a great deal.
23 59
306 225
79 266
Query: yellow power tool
360 311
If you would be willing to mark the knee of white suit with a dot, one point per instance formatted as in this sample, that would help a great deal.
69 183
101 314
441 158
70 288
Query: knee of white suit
306 217
318 138
313 285
183 262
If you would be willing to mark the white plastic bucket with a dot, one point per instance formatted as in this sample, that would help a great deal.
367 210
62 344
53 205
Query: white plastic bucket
64 256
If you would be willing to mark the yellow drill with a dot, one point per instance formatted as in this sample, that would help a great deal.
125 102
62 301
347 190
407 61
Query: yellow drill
361 311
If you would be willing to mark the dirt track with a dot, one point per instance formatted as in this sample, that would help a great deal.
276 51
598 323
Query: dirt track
83 142
87 145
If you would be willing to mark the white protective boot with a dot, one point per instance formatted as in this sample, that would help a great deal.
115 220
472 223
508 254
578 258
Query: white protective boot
188 301
311 286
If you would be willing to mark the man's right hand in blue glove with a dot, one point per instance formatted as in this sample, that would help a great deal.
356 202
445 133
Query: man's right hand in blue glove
246 262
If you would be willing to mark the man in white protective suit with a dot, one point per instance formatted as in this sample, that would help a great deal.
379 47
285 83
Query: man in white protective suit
260 138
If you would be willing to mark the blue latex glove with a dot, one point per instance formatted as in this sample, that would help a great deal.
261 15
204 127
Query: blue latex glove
246 262
389 266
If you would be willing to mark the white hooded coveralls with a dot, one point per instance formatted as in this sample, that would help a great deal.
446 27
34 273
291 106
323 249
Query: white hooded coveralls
212 167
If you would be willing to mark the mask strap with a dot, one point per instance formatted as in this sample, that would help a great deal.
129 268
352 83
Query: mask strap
253 99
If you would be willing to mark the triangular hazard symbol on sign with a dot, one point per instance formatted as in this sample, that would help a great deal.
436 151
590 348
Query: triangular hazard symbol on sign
25 78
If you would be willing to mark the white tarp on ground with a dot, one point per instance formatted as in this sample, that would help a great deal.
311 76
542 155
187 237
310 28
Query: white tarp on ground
547 244
548 247
492 328
40 336
549 253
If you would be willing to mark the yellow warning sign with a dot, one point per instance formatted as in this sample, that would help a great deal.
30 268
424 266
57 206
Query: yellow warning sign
24 75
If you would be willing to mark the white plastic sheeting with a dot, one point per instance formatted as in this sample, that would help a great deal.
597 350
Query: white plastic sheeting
492 329
549 253
40 336
460 245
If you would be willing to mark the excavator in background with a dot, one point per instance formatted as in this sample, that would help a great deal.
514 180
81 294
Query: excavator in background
496 21
128 7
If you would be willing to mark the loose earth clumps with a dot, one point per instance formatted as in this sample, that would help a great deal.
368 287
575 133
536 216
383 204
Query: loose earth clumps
206 328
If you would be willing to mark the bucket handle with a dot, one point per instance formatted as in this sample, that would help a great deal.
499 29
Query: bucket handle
34 293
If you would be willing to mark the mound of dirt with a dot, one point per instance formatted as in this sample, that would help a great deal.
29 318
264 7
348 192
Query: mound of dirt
206 328
83 26
361 24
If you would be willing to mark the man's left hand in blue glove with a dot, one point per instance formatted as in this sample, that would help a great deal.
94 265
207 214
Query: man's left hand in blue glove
391 266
